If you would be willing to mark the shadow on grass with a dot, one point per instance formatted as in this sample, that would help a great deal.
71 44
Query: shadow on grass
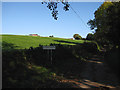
8 46
61 41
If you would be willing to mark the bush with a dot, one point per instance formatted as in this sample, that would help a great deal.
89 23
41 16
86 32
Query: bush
90 36
113 59
66 59
77 36
18 74
51 36
83 38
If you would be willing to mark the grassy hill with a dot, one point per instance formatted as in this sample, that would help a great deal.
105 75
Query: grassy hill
22 42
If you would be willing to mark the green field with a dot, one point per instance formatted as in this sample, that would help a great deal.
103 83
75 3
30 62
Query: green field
22 41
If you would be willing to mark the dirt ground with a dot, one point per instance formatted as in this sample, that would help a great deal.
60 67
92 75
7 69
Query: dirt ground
95 74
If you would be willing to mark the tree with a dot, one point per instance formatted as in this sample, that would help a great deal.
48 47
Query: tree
77 36
106 23
90 36
51 36
52 5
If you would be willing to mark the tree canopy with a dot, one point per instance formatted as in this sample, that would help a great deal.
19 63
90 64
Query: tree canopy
106 23
52 5
90 36
77 36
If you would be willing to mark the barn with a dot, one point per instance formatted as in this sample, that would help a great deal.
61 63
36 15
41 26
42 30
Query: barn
33 34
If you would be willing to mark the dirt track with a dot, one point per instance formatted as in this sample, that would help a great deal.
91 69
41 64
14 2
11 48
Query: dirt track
95 74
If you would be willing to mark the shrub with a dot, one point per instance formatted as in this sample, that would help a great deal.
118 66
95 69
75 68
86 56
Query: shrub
26 68
51 36
90 36
113 59
83 38
16 71
77 36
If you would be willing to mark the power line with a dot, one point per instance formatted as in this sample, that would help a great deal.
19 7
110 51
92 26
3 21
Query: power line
78 16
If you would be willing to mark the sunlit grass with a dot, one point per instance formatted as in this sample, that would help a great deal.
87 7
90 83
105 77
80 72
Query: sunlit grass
22 41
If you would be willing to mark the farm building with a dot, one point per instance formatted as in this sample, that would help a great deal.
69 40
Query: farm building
33 34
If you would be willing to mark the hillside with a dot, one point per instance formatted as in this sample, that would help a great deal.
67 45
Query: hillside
22 42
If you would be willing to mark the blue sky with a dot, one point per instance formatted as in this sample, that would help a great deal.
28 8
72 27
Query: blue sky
24 18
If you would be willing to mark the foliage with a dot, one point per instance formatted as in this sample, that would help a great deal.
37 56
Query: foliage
106 26
32 68
90 36
51 36
106 23
113 59
52 5
67 52
77 36
18 72
83 38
